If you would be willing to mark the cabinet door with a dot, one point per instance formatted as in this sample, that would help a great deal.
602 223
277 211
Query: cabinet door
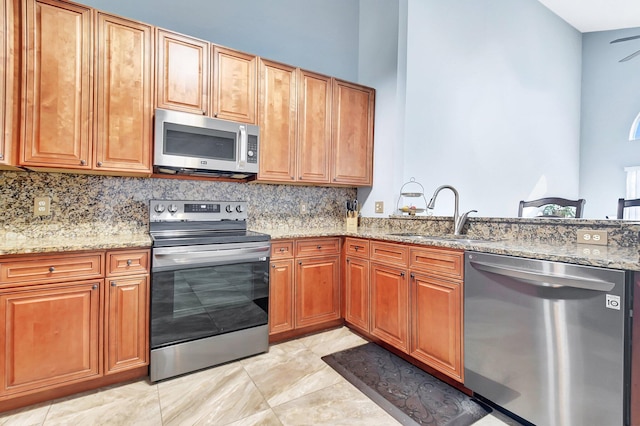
436 337
234 85
277 104
50 336
314 127
182 71
352 154
390 305
281 296
57 55
124 96
127 323
317 290
9 79
357 293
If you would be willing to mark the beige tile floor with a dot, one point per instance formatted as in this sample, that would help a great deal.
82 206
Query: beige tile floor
289 385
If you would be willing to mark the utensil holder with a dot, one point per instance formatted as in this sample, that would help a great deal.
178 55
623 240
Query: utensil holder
352 224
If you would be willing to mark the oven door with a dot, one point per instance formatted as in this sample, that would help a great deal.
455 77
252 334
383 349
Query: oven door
208 290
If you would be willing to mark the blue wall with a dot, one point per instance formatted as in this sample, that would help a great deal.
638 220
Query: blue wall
610 103
319 35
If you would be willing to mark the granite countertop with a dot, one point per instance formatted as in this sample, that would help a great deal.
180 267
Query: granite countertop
611 256
591 255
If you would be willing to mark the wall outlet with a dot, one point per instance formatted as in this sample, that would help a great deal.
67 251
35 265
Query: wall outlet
591 236
379 206
304 208
41 206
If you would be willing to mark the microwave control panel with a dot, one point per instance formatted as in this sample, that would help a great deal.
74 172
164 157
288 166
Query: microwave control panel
252 149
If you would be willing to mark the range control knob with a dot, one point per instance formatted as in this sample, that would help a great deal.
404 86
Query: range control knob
239 208
159 208
172 208
229 209
250 153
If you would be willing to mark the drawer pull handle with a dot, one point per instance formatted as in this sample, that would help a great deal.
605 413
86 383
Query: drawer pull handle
129 262
51 269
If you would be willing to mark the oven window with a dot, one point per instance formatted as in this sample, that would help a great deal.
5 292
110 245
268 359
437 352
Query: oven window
190 304
199 142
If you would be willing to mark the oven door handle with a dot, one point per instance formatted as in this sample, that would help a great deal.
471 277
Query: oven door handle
169 256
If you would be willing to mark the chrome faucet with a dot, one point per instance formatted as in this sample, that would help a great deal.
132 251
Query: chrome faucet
458 220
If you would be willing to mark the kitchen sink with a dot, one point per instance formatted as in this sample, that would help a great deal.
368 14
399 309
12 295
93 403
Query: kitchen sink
447 237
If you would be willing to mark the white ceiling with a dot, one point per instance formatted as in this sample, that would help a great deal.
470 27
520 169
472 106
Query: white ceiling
597 15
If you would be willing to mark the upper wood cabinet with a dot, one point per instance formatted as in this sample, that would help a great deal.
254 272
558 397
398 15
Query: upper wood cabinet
234 85
352 134
277 118
57 84
182 70
58 107
9 82
314 127
124 95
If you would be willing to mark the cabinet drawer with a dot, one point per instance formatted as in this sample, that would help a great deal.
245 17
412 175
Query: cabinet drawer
317 246
281 249
127 262
356 247
51 268
436 261
394 254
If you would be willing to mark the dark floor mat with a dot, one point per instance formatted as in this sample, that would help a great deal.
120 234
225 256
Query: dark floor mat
407 393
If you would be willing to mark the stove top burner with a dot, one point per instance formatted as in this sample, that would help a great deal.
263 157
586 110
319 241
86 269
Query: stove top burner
180 223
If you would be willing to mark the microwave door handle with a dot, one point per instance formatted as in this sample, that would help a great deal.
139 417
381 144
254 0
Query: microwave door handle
243 147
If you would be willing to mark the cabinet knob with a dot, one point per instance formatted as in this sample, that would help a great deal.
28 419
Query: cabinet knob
318 247
300 178
51 269
83 163
273 265
356 247
413 275
335 179
300 262
402 274
114 284
348 260
292 178
95 287
99 164
204 112
129 262
282 249
215 114
1 157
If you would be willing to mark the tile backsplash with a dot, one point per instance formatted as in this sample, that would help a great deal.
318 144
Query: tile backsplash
92 203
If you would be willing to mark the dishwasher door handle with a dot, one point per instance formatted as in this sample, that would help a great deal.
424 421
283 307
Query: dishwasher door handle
544 279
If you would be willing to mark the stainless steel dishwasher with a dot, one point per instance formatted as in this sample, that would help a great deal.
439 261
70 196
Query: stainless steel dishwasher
548 341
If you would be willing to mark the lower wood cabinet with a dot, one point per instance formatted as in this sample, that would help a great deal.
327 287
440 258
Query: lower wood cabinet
65 328
390 305
304 286
50 335
356 292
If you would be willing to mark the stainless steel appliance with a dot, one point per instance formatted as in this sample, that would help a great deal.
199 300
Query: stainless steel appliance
548 341
209 286
197 145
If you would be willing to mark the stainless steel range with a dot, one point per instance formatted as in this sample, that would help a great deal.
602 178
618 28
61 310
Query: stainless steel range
209 286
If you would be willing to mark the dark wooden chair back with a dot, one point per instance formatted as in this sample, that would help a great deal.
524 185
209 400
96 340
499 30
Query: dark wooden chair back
563 202
623 204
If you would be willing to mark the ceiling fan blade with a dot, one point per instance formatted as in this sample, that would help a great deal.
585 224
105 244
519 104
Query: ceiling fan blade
633 55
624 39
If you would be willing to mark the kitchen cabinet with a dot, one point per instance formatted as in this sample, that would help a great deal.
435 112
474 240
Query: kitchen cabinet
64 330
9 84
235 85
61 130
57 56
277 118
182 70
127 310
281 280
314 127
124 96
356 283
352 134
304 286
437 309
50 336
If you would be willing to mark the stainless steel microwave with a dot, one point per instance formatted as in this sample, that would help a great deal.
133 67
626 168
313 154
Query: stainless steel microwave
191 144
